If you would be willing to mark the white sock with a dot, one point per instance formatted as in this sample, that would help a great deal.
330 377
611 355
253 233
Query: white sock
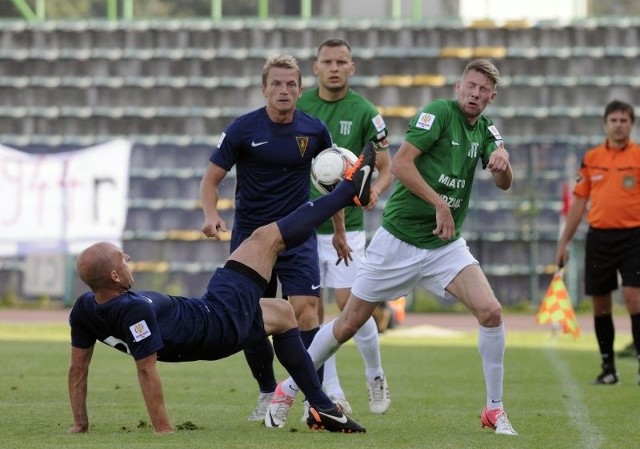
491 345
331 382
324 345
369 346
289 387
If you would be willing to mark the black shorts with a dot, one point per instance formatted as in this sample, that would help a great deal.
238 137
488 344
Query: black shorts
609 252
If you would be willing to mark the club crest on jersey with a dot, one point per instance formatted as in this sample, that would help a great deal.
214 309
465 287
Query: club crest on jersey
140 330
425 121
629 182
303 143
345 127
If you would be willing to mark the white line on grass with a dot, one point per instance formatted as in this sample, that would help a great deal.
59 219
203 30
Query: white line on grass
588 433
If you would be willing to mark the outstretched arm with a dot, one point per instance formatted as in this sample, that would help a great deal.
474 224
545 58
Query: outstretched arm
77 380
151 387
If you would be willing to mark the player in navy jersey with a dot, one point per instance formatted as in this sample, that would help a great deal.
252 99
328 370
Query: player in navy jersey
272 149
152 326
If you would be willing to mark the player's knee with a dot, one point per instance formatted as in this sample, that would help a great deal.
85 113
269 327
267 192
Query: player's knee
283 309
267 236
281 315
306 311
263 233
490 315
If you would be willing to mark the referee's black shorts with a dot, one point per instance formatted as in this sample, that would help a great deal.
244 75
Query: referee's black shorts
609 252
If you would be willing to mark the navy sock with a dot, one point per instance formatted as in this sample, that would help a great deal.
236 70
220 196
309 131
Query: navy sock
298 226
605 333
295 358
307 339
635 332
260 359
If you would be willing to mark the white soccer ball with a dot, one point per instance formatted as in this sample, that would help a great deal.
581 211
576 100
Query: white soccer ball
329 167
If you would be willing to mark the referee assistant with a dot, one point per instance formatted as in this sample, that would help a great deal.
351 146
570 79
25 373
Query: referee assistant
609 179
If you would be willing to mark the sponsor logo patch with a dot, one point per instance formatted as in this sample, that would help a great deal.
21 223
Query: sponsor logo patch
378 122
140 330
425 121
495 132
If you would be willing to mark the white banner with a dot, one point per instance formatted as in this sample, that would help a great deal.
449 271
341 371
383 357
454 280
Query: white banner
62 202
44 274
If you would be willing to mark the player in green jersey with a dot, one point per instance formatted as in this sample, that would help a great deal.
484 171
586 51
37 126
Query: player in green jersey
419 240
353 122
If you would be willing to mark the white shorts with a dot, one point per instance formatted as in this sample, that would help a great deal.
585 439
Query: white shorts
340 276
393 268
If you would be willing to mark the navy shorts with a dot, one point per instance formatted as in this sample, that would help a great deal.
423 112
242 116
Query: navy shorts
609 252
297 269
233 298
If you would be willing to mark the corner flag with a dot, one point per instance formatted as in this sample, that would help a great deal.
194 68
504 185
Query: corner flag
556 307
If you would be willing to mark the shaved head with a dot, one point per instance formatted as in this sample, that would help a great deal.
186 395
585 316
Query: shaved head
95 264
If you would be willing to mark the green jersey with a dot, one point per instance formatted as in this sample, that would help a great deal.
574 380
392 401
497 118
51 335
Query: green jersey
352 121
451 148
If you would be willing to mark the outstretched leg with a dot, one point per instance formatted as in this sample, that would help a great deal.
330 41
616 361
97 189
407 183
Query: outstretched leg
260 250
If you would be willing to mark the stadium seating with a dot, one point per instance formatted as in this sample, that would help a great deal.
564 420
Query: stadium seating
172 86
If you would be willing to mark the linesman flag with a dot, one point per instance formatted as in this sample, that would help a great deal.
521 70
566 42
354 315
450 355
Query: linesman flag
556 307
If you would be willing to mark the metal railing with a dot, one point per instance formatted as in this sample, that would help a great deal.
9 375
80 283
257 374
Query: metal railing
37 10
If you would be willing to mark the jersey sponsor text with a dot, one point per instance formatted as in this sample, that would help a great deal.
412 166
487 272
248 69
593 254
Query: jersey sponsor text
455 183
453 203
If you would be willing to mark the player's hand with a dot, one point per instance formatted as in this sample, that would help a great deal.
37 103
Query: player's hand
562 256
78 428
343 249
212 228
165 430
445 226
498 161
373 199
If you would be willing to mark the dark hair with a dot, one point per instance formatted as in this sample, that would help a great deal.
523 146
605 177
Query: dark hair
334 42
617 105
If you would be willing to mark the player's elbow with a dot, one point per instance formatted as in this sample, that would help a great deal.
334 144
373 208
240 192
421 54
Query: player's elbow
398 168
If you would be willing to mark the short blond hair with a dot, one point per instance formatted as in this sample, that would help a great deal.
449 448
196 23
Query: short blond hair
486 67
283 62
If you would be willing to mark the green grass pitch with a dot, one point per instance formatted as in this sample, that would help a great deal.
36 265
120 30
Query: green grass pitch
436 386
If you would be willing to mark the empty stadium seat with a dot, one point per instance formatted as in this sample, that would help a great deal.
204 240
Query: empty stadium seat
172 87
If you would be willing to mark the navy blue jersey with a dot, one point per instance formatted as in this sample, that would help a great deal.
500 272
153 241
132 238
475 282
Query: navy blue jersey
273 164
178 329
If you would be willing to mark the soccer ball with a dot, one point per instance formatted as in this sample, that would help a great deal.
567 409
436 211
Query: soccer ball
329 167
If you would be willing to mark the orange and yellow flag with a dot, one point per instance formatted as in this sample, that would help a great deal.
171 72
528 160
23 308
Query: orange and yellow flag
556 307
